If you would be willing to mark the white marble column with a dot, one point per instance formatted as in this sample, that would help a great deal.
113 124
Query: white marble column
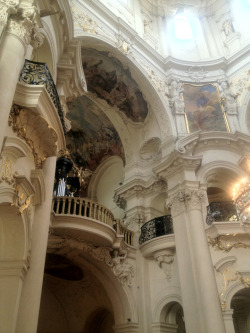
17 35
32 285
201 304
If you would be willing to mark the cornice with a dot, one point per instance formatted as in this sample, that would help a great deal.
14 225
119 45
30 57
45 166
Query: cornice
191 144
176 162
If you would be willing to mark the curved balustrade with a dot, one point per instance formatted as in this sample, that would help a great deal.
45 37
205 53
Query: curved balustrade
82 207
90 209
221 212
157 227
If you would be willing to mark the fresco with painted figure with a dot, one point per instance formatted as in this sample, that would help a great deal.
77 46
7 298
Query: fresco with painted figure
92 137
203 108
106 77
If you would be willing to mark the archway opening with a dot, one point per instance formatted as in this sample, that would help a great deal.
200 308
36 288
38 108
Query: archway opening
241 311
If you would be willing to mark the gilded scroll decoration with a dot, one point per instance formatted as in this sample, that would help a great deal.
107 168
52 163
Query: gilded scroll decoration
21 201
42 142
226 243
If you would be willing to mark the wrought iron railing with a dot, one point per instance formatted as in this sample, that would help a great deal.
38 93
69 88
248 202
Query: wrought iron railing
37 73
90 209
157 227
221 211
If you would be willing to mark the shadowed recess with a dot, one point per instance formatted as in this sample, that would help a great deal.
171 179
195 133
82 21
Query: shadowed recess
62 268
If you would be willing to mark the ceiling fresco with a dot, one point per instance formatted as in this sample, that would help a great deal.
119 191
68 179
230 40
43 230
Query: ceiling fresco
92 136
106 77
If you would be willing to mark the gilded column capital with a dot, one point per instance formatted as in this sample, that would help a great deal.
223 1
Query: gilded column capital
24 24
185 200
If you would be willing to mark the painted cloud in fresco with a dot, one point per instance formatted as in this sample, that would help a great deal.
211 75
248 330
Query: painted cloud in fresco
203 108
92 136
106 77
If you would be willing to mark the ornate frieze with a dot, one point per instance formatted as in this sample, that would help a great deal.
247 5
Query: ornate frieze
186 199
196 73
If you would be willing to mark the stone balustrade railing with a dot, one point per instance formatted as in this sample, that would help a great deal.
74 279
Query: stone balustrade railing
82 207
127 234
90 209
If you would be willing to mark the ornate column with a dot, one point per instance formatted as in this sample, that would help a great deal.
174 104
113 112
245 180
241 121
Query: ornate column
201 304
20 31
31 293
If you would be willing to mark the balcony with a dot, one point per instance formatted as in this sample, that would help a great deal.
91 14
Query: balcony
89 221
160 226
37 73
221 212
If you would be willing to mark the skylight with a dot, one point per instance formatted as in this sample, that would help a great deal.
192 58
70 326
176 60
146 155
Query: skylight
182 27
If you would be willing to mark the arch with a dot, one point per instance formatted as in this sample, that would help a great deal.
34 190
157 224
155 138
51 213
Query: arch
158 108
162 306
109 176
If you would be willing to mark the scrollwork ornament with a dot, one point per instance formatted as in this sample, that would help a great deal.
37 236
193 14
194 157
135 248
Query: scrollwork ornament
177 203
193 199
165 262
186 199
21 201
7 7
23 25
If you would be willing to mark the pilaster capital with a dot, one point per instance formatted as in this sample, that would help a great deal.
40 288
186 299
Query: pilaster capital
185 200
7 7
24 24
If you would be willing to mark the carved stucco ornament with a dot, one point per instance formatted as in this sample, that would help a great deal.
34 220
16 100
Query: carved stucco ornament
24 23
165 261
186 199
35 130
7 7
116 259
7 174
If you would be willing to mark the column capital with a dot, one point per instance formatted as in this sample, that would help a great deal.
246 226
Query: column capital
185 199
24 24
7 7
